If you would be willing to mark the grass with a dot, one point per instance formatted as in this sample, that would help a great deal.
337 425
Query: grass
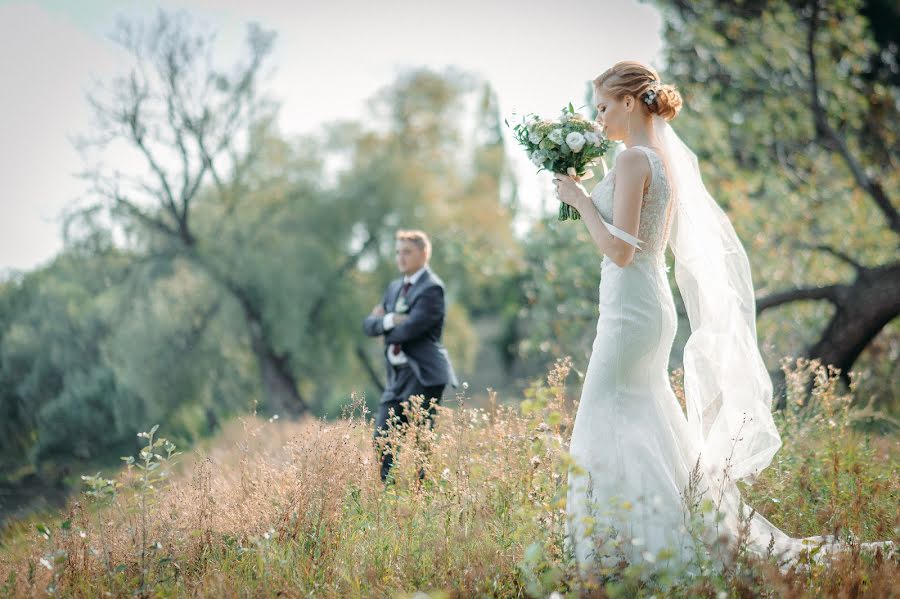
296 509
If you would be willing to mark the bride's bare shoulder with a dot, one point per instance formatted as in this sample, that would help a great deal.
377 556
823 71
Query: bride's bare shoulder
632 164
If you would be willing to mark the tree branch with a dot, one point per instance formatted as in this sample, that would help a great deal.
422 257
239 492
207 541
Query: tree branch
342 270
833 251
829 293
137 136
367 365
824 130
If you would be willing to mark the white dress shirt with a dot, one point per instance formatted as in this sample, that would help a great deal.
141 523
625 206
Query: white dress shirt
388 320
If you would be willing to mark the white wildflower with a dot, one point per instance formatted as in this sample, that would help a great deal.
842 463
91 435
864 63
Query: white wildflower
556 136
46 564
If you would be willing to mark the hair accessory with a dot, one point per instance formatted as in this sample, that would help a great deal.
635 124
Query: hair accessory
650 97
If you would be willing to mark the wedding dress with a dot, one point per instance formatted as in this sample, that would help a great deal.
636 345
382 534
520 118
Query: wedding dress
629 433
633 446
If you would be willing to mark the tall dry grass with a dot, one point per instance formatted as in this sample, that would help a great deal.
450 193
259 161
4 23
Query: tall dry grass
293 509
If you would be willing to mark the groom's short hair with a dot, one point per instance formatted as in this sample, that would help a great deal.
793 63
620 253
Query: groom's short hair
419 238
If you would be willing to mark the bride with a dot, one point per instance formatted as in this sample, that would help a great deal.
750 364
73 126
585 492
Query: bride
639 462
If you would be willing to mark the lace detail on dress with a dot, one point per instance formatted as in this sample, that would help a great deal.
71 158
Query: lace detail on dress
655 213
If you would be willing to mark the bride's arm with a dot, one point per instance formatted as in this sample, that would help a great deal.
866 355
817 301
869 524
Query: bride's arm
632 171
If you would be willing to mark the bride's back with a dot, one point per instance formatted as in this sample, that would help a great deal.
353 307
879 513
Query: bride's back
655 216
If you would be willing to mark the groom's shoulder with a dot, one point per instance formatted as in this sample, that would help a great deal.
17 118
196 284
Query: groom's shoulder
434 280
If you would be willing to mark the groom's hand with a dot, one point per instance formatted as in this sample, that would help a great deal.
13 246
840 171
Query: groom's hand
400 319
378 311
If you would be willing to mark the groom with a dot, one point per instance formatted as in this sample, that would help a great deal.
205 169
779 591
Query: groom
411 318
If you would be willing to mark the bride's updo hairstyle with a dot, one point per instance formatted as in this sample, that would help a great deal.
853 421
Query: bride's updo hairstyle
633 78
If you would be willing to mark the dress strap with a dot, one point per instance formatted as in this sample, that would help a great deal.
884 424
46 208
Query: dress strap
655 161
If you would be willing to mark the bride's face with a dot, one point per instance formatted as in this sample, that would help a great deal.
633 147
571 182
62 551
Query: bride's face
613 114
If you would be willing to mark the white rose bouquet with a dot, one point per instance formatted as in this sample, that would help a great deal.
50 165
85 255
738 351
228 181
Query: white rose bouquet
569 144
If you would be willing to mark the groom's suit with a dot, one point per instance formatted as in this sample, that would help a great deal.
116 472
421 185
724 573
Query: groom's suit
426 369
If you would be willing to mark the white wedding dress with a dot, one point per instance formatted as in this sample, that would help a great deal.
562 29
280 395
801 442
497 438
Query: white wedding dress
631 439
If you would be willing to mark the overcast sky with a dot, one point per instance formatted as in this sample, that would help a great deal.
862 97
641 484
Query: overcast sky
329 58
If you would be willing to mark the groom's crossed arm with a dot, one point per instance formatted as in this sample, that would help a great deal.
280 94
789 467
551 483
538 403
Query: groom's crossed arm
427 311
373 324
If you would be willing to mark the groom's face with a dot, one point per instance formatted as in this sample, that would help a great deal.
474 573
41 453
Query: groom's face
410 257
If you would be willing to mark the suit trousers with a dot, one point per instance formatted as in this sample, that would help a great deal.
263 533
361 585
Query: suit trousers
403 384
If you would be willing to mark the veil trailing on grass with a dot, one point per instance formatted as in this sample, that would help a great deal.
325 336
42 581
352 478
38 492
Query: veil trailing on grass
728 391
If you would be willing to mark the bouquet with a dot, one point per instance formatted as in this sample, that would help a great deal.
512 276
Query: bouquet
569 144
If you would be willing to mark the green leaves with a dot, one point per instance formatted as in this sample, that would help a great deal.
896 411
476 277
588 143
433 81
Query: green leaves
43 530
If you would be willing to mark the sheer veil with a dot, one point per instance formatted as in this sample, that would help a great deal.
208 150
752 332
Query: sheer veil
728 391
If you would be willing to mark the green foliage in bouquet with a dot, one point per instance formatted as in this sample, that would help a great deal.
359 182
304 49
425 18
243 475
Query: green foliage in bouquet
567 145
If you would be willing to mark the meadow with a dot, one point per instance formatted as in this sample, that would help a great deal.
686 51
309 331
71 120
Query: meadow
272 507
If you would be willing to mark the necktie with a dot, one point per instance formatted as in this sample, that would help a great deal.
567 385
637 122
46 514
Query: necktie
395 347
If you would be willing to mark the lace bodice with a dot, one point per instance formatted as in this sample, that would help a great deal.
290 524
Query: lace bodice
654 221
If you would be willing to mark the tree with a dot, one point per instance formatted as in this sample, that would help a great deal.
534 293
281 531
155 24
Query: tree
198 130
793 116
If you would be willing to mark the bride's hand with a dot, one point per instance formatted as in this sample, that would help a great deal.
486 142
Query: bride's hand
569 190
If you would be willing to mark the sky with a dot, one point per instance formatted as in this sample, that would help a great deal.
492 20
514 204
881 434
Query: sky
329 59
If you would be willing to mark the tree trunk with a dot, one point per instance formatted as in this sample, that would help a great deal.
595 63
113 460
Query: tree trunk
863 308
278 382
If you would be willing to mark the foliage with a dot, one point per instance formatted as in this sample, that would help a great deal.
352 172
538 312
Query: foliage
795 127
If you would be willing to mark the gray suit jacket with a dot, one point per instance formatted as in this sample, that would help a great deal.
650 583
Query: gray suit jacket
420 335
